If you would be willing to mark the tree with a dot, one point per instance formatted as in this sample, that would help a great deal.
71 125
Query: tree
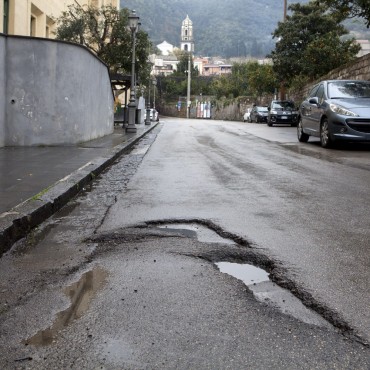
261 79
183 65
105 32
310 43
350 8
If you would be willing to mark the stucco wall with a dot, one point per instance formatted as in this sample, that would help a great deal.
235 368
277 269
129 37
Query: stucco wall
2 91
57 93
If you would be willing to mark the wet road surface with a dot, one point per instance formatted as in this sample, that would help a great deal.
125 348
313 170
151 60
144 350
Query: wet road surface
97 293
310 211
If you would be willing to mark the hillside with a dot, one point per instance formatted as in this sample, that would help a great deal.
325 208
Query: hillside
227 29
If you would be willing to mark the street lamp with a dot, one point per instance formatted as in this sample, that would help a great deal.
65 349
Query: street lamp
154 87
133 24
147 118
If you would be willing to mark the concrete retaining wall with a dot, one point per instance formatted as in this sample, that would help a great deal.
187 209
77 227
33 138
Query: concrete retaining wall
56 93
2 91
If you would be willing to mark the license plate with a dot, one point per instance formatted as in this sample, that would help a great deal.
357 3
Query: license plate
284 117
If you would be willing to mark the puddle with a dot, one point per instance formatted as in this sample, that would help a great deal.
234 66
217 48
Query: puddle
248 274
200 232
257 280
80 293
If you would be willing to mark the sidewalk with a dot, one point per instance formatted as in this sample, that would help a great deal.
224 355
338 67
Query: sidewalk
37 181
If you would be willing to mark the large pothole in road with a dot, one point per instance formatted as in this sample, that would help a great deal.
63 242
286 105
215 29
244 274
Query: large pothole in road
255 278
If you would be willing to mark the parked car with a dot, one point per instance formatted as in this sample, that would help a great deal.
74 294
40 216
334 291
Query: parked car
247 115
259 114
282 111
154 115
336 110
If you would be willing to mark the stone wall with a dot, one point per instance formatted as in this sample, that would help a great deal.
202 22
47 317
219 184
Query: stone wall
56 93
359 69
232 110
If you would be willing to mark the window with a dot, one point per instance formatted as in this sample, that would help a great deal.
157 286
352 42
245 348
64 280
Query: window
320 93
6 16
33 26
313 91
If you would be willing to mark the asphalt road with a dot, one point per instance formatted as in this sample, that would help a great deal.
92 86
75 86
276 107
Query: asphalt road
113 282
305 206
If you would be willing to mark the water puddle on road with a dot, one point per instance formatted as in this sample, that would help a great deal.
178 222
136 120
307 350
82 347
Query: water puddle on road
81 294
257 280
200 232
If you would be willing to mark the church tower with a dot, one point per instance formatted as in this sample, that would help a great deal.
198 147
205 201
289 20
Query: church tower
187 40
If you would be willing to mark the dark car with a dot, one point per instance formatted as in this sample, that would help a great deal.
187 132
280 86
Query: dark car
282 111
336 110
258 114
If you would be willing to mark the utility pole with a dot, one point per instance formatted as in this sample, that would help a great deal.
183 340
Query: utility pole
282 85
285 9
188 91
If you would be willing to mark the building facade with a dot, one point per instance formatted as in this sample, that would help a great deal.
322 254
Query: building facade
37 17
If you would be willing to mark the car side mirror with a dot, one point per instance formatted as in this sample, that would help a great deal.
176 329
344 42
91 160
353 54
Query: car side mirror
314 101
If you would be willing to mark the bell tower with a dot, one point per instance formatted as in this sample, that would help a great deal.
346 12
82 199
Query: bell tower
187 40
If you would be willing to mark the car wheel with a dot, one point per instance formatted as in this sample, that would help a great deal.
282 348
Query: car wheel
325 139
302 137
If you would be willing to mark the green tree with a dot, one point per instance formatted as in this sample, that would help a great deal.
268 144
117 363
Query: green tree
350 8
310 34
261 79
183 65
246 79
105 32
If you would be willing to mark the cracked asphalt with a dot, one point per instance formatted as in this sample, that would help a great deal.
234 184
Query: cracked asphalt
104 288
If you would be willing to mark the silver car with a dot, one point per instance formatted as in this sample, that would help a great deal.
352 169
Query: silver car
336 110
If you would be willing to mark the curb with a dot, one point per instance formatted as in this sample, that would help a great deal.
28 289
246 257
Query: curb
20 220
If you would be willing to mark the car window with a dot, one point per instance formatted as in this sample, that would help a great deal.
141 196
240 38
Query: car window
262 109
349 89
286 105
313 92
320 93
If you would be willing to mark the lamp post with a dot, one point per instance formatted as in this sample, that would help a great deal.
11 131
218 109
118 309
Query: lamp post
154 87
147 118
133 23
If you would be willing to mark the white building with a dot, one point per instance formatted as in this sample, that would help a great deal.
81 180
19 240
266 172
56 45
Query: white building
166 48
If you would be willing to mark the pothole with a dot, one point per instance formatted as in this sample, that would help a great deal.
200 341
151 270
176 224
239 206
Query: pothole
80 293
196 231
257 280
